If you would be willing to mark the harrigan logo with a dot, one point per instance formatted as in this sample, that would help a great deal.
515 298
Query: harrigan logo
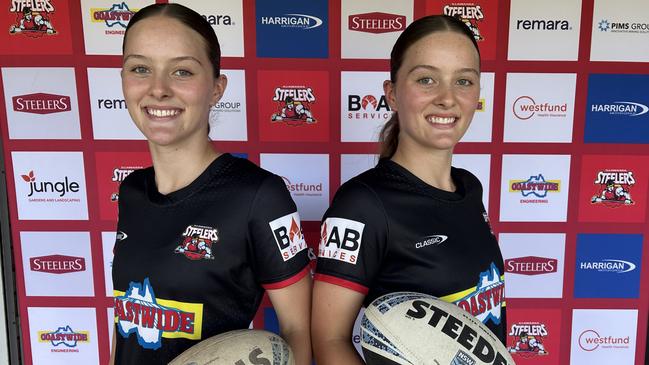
32 21
197 242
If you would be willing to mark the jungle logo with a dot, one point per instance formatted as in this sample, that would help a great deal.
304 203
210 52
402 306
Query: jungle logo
138 311
33 18
525 107
294 106
526 339
622 27
471 14
60 188
197 242
377 22
64 339
535 188
613 188
117 17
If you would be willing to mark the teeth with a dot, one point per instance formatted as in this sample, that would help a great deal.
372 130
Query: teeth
162 113
440 120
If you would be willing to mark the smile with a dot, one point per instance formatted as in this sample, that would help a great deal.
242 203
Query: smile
440 120
162 113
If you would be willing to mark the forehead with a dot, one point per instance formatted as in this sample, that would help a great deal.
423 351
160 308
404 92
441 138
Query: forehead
444 48
164 34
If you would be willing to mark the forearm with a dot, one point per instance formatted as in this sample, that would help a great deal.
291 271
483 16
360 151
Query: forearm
336 352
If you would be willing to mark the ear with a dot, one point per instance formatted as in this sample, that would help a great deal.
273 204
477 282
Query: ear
390 94
220 83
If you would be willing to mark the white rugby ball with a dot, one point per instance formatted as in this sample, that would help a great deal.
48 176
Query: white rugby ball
418 329
239 347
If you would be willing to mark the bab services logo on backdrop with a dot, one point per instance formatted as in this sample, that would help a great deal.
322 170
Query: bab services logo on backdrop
617 109
364 108
292 29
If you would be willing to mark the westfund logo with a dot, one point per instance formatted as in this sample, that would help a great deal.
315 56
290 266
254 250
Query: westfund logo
377 22
57 264
41 103
531 265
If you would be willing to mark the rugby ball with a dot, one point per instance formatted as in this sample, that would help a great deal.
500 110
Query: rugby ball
417 329
239 347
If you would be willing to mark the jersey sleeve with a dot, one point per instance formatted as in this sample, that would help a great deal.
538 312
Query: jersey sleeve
279 251
353 238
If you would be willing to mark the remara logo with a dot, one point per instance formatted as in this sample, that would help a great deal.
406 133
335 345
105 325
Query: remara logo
61 188
543 24
300 21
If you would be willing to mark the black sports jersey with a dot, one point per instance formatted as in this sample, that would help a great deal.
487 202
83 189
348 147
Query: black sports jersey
194 263
388 231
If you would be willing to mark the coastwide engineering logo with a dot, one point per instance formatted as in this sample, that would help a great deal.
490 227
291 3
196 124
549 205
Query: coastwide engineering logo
64 339
140 313
535 189
115 18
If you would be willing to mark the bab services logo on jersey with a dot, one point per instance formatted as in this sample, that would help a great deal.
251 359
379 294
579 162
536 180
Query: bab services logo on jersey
289 28
617 109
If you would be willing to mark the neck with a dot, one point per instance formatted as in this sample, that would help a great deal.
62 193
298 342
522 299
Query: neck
175 168
434 168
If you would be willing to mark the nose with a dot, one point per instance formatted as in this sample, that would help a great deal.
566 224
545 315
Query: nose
444 96
160 87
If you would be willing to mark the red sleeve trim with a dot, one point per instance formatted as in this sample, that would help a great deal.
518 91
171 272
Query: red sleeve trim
286 282
342 282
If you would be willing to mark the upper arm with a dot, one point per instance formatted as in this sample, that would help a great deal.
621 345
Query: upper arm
334 312
293 304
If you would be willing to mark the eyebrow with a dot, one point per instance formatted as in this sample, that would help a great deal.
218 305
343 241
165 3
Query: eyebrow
433 68
175 59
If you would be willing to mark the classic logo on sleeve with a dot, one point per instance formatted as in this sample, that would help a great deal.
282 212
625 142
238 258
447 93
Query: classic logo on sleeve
138 311
288 235
340 239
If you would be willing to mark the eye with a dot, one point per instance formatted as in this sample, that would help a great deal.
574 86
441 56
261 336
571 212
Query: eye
139 70
464 82
425 81
183 73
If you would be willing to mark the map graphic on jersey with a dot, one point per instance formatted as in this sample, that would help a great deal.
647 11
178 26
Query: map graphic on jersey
63 336
139 312
535 185
197 242
484 301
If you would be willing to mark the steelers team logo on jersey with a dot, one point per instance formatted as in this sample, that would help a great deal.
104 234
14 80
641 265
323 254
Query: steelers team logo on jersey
197 242
139 312
485 300
613 188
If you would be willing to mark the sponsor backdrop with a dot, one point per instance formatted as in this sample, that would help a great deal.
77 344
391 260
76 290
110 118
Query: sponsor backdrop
560 142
